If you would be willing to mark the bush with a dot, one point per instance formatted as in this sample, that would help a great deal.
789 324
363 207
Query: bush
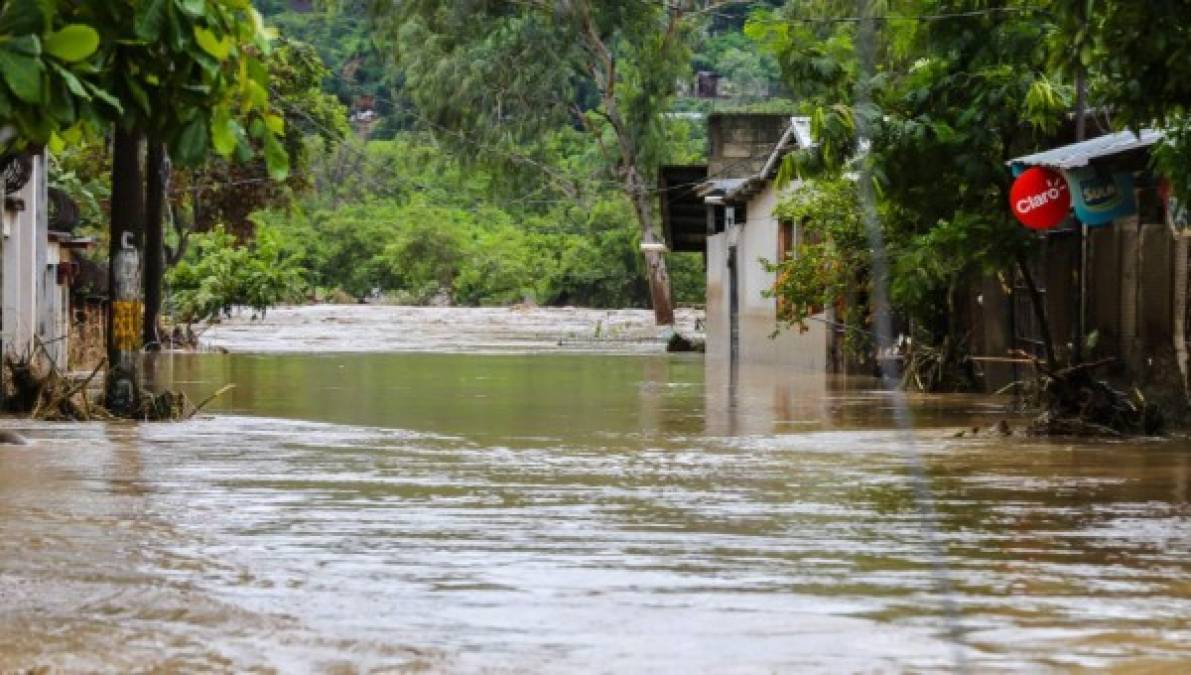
218 274
406 222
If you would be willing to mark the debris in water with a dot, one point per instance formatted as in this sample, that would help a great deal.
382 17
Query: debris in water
12 438
679 343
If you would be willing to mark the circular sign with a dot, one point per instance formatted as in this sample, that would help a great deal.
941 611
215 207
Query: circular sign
1040 198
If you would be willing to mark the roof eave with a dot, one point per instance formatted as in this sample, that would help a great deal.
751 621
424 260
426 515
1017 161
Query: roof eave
1076 155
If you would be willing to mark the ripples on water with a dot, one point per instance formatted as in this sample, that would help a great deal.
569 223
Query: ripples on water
577 513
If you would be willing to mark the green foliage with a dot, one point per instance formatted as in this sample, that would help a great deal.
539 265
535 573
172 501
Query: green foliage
402 217
829 264
748 71
219 274
344 40
949 103
308 121
1172 157
82 170
191 73
1139 54
1138 57
497 93
47 75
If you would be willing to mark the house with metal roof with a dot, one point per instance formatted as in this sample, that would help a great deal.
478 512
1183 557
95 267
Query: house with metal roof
726 209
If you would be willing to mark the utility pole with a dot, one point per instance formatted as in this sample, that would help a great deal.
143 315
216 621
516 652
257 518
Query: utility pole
1081 323
126 308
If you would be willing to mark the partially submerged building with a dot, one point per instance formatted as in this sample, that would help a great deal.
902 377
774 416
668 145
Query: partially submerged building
1131 295
37 262
726 210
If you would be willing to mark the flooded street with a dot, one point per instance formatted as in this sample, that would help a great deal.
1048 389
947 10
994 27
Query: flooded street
371 510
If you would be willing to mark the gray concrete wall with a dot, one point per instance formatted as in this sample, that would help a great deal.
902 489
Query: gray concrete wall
740 143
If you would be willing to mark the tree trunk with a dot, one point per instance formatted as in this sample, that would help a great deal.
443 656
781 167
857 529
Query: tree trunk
603 72
123 382
155 204
655 261
638 191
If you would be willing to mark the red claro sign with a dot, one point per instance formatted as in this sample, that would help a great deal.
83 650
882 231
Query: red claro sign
1040 198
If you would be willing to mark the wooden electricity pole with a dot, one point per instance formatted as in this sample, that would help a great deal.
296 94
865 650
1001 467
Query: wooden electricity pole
125 308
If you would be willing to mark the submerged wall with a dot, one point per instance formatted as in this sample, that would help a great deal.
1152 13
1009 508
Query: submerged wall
755 240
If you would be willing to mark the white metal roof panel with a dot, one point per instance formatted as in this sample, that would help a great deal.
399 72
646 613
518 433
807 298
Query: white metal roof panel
1080 154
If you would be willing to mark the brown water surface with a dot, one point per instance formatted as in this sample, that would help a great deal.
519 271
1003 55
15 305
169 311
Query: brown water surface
581 513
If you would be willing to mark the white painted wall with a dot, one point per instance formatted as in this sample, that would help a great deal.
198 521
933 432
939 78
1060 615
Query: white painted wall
33 303
755 240
716 323
20 278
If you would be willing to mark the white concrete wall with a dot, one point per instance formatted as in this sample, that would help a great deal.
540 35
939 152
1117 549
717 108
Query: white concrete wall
54 309
33 303
716 323
755 240
20 279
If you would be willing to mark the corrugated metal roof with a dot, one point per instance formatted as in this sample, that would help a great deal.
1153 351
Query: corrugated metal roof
796 136
802 129
1080 154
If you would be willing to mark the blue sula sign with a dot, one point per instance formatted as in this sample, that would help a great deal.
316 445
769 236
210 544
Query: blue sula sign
1100 197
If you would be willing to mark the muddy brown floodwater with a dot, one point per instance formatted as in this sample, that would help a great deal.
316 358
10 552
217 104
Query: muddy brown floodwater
569 512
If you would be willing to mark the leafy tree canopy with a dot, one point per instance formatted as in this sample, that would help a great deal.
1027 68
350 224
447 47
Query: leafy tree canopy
48 73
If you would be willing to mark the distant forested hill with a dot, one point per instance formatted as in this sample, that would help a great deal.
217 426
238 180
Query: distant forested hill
746 77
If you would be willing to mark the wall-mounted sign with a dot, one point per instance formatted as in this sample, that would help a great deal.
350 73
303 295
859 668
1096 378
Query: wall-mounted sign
1100 197
1040 198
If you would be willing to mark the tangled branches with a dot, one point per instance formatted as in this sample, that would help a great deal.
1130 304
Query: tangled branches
35 386
1075 403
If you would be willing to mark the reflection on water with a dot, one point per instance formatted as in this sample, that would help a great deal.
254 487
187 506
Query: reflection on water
559 513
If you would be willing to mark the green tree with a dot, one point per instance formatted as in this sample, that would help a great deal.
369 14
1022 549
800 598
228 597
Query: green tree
227 191
48 72
219 273
950 102
496 76
189 76
1138 59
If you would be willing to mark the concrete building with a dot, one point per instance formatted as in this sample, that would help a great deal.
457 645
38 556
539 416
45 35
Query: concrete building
726 209
36 264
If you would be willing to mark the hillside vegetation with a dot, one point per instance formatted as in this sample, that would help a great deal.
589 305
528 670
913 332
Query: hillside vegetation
394 210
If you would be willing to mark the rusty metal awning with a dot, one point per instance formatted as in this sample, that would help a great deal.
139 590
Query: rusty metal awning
1082 153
